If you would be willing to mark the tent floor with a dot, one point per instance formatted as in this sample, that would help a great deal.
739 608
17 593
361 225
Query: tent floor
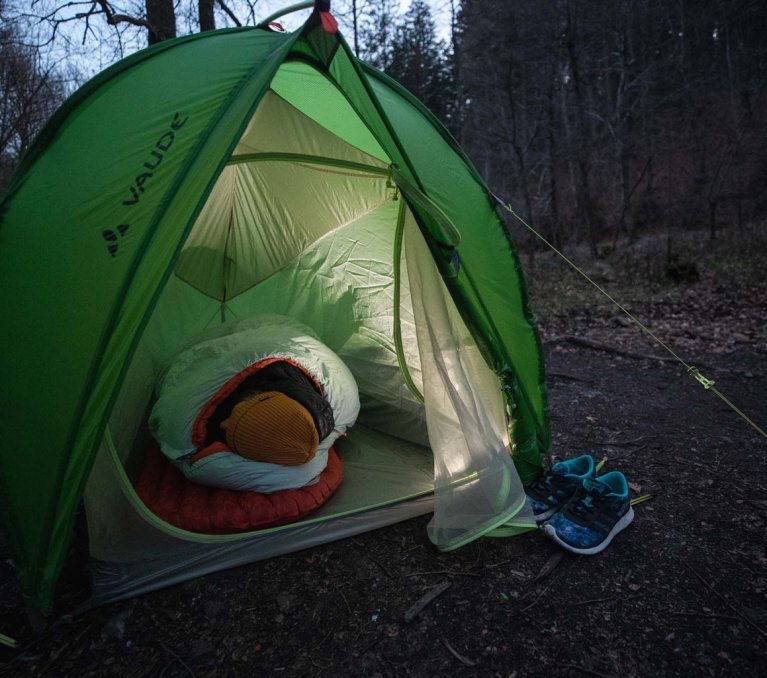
378 470
386 480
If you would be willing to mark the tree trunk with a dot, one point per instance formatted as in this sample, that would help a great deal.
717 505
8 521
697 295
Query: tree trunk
161 18
555 232
584 203
207 19
355 22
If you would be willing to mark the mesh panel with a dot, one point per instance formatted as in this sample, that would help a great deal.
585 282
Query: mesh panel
476 485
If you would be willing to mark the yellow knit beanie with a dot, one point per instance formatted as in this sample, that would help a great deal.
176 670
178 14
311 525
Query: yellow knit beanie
273 428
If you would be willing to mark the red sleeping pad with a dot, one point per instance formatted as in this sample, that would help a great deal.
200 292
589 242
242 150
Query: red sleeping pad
211 510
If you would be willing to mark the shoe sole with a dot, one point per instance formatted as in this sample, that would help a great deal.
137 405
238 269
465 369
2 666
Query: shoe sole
621 525
547 514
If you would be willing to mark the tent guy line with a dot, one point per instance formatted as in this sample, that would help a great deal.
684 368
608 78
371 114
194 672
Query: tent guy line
693 371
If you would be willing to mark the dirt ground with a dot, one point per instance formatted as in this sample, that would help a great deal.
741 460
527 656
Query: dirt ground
681 592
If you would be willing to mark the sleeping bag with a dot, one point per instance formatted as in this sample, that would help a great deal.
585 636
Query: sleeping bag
196 418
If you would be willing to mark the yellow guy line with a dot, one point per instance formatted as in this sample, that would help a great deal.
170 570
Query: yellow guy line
708 384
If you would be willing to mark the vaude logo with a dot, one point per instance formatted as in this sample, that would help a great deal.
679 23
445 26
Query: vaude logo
161 147
156 155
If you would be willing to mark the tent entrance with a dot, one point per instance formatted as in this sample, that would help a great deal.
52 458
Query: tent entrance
342 285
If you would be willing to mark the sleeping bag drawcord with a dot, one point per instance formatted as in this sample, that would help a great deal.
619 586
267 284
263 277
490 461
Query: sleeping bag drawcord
694 372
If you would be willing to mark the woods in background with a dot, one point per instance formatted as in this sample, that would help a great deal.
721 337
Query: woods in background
598 120
30 92
603 119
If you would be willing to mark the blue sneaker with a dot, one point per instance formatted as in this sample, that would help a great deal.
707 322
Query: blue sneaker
553 490
596 513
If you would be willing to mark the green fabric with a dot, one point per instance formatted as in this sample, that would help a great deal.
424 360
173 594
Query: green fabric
59 277
96 217
306 89
348 75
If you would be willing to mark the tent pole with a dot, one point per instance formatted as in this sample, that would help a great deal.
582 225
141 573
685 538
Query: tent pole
287 10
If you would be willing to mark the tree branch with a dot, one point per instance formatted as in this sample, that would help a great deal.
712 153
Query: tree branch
228 12
114 19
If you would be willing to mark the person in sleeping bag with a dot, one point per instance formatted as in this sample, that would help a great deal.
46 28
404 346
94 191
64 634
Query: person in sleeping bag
254 405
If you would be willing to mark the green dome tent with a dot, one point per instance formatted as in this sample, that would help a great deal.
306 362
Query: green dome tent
232 173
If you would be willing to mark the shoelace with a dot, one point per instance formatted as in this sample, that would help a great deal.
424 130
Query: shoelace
584 504
549 484
542 484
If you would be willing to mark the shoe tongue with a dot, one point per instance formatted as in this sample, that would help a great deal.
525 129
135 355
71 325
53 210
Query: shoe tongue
560 469
594 485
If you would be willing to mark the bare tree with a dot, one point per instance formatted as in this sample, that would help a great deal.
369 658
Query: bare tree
160 19
616 117
207 16
133 23
29 93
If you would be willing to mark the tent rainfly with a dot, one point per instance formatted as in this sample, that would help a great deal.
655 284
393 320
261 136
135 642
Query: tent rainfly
225 175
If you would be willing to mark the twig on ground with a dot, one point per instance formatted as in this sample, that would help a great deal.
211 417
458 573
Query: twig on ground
738 372
72 643
151 670
327 635
753 625
464 660
532 619
550 565
539 596
448 572
742 482
55 656
178 659
590 672
592 601
371 644
385 571
503 562
568 377
759 505
613 457
422 602
684 462
706 615
346 602
514 573
362 630
597 346
618 443
322 667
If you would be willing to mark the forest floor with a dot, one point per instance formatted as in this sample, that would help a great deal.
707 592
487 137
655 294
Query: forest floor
681 592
